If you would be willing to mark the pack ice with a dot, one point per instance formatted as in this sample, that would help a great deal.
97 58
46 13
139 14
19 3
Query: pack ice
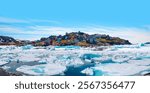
55 60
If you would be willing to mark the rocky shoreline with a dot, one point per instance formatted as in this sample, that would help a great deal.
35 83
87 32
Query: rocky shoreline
5 73
148 74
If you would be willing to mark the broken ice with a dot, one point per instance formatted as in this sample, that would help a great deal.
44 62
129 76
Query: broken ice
56 60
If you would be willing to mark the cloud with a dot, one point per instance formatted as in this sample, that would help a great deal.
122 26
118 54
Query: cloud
33 31
5 20
44 21
133 34
11 20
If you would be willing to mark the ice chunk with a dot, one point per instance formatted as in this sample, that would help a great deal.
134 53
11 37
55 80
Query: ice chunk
27 47
43 61
119 69
144 62
114 60
88 71
67 47
68 60
103 59
2 62
72 47
145 72
90 56
49 69
27 58
129 46
120 58
6 67
141 44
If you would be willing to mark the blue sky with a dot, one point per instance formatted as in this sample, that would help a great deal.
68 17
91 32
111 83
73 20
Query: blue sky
33 19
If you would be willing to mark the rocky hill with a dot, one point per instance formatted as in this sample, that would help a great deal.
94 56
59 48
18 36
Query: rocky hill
81 39
74 38
5 40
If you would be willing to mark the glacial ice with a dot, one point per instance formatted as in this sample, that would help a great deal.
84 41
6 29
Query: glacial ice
52 60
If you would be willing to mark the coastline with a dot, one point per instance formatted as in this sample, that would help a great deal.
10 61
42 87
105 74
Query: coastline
6 73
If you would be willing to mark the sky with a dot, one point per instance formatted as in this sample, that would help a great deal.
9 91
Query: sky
33 19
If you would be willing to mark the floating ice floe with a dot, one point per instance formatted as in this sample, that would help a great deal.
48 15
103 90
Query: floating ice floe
144 62
43 61
119 69
113 60
27 47
66 47
2 62
49 69
120 58
68 60
90 56
6 67
27 58
88 71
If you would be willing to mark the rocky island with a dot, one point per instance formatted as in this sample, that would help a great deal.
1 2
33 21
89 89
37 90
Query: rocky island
74 38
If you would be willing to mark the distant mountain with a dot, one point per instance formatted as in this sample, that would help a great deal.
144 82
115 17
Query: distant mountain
81 39
5 40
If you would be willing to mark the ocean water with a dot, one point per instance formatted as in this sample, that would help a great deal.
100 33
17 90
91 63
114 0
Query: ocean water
118 60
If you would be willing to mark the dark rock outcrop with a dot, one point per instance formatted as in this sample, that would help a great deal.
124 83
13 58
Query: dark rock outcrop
5 73
147 43
148 74
5 40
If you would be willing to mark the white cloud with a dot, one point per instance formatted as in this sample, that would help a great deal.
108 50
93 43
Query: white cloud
44 21
27 21
133 34
11 20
